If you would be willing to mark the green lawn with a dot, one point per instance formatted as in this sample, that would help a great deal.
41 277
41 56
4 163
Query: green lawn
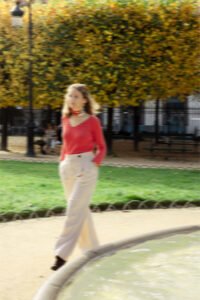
36 186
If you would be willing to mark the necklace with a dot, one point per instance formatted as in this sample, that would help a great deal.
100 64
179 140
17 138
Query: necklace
78 113
77 119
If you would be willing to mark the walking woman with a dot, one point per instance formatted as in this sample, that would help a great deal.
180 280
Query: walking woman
83 150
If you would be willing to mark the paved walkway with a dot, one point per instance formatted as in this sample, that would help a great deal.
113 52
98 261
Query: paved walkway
26 247
122 148
127 159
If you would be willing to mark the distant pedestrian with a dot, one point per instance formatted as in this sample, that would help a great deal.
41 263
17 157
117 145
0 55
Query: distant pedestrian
50 138
83 149
41 142
59 134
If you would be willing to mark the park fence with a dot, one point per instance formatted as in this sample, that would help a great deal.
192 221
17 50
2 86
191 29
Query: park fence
104 207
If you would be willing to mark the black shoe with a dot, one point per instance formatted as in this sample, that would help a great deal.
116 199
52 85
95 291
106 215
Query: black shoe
58 263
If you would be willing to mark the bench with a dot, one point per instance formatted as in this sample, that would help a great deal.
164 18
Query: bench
169 146
52 151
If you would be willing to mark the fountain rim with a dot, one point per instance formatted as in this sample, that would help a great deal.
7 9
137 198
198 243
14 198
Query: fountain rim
52 287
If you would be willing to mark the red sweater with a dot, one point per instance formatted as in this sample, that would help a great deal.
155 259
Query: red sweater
84 137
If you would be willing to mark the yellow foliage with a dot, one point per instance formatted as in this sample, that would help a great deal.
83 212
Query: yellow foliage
125 53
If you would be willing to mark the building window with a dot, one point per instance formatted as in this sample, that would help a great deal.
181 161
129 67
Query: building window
175 116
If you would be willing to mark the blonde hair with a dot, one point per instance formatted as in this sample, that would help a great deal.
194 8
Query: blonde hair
91 107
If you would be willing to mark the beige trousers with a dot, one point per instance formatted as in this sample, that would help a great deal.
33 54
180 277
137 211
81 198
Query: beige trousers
78 176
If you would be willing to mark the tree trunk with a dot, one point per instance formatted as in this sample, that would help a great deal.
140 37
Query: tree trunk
136 122
4 134
157 120
109 131
30 151
58 116
49 115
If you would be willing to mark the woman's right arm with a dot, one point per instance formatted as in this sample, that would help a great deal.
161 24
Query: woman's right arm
62 153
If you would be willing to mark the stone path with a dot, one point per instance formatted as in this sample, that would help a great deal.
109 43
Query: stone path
26 247
122 148
122 160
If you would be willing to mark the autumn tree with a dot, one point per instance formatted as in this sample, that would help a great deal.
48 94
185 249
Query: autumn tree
126 51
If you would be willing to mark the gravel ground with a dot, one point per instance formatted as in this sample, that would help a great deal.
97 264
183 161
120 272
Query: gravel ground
26 248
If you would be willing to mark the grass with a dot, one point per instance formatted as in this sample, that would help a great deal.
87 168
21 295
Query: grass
29 187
